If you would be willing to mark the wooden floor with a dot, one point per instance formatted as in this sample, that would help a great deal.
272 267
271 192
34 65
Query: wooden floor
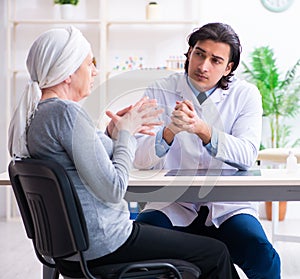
18 261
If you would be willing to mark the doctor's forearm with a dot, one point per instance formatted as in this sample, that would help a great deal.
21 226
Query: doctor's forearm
239 153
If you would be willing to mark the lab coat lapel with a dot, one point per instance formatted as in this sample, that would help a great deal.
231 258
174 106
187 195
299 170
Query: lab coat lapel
183 89
219 95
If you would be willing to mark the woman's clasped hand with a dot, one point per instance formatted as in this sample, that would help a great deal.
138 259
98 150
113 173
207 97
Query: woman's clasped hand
141 117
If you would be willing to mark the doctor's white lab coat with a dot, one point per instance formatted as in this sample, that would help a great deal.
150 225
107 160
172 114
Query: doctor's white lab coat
235 116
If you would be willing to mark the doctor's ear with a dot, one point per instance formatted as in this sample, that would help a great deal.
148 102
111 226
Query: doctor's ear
189 53
228 69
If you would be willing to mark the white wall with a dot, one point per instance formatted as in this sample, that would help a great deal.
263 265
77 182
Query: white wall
255 25
3 95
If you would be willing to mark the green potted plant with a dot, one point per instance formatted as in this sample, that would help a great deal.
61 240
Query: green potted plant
64 2
280 100
280 93
67 8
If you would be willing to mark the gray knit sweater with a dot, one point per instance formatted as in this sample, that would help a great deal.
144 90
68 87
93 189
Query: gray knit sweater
99 167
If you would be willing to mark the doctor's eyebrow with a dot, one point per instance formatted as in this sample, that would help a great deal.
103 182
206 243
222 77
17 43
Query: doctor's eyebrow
214 56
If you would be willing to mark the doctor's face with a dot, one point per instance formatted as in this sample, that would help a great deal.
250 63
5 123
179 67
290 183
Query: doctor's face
208 63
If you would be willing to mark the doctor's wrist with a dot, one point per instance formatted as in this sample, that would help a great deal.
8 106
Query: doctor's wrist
205 133
168 135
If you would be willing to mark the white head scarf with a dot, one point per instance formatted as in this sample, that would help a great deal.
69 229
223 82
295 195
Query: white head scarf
53 57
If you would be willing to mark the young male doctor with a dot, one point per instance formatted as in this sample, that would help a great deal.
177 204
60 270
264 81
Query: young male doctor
212 120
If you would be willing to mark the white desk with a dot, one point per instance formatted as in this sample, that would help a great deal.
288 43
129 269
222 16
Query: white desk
271 185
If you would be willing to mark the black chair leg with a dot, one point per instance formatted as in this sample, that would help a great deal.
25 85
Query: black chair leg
50 273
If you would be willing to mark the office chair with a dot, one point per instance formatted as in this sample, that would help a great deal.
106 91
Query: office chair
53 220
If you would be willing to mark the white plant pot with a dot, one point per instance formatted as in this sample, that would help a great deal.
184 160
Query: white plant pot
67 11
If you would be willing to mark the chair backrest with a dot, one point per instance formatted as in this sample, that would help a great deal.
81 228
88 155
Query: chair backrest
49 206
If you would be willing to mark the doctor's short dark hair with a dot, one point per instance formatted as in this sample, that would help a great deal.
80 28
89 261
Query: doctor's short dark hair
221 33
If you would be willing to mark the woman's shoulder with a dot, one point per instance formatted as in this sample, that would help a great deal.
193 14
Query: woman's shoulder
57 102
59 106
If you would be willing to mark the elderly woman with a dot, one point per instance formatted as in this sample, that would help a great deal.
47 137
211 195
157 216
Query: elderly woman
50 124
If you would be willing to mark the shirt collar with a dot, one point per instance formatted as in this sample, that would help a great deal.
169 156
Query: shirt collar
195 91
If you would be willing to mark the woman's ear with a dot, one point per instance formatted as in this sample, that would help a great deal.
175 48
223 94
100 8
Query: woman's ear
68 80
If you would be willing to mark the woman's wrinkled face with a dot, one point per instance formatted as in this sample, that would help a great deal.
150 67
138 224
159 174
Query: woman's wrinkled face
82 80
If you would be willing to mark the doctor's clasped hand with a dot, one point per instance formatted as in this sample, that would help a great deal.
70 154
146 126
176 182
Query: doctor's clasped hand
185 118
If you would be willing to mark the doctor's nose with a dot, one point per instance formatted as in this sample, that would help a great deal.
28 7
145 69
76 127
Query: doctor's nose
204 65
